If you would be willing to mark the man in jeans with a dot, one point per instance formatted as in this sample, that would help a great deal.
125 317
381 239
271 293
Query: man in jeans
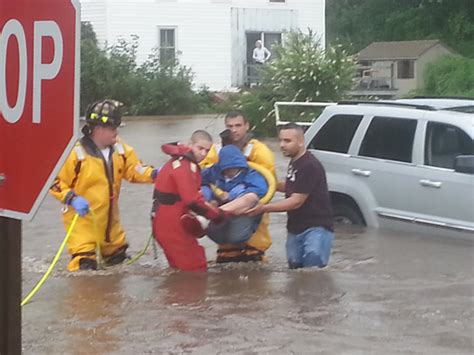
310 228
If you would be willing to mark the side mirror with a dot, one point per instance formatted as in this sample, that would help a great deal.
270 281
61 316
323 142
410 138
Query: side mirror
464 164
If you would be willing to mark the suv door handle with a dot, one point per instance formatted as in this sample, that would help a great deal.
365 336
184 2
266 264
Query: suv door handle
429 183
360 172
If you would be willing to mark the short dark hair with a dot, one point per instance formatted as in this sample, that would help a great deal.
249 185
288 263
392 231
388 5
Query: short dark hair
292 125
236 113
200 134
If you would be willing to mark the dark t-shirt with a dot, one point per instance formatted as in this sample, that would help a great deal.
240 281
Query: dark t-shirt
306 175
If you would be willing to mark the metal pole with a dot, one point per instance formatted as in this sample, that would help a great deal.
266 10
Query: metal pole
10 286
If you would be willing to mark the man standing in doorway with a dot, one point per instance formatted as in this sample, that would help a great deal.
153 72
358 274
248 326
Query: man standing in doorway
257 152
260 53
310 226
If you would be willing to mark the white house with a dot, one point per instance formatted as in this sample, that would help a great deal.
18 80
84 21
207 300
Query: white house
213 37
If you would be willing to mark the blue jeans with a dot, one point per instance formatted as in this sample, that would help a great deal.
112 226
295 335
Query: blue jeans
310 248
235 231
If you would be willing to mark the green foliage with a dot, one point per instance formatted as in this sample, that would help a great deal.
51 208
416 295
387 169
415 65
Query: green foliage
94 67
450 76
357 23
304 71
301 71
152 88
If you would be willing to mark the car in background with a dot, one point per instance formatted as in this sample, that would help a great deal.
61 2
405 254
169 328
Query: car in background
405 165
465 105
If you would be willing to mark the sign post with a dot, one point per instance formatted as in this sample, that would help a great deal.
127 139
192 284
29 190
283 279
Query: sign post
39 116
10 291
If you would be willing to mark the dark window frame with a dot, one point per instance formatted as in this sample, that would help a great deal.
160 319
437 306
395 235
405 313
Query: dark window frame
406 69
166 49
464 145
322 140
382 139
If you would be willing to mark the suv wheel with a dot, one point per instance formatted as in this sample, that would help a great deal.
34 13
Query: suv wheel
345 214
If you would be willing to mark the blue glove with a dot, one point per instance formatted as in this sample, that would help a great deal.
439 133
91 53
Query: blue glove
81 205
236 191
154 173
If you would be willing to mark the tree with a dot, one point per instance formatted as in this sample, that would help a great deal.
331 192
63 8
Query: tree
94 67
301 71
357 23
149 88
449 76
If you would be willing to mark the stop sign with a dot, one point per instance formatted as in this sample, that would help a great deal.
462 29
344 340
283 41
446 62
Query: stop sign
39 98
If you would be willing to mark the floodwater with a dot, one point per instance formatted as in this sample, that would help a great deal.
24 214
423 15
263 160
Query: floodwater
383 293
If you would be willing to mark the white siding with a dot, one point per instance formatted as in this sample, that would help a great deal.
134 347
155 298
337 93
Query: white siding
255 20
95 12
203 28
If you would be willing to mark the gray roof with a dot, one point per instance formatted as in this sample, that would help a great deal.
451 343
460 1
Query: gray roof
398 50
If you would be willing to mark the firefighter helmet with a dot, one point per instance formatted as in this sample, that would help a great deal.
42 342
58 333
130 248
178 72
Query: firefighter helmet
104 112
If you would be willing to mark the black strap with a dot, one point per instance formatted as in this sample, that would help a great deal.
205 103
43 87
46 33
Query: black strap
165 198
85 253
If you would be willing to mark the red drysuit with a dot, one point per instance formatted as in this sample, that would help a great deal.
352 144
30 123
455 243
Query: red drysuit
177 191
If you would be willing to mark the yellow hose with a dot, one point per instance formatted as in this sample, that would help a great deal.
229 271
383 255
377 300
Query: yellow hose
141 253
269 177
55 260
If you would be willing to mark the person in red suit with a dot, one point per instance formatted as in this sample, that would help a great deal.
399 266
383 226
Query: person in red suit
177 193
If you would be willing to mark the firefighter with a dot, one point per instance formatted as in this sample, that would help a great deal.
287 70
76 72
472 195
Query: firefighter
177 193
89 184
257 152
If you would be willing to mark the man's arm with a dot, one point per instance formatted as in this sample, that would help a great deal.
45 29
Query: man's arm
293 202
62 186
280 187
268 54
134 170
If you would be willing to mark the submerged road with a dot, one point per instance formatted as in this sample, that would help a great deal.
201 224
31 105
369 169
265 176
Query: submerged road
383 293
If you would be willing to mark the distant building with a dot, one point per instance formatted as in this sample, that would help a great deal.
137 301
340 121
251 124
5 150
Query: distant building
215 38
393 69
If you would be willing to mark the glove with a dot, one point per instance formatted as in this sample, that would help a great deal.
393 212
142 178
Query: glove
220 217
194 224
236 191
154 173
81 205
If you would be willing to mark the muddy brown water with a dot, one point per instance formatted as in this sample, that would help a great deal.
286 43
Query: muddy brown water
383 293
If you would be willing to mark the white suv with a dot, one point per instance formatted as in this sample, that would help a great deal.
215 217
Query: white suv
398 165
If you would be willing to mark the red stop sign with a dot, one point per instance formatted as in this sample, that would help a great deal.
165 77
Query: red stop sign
39 98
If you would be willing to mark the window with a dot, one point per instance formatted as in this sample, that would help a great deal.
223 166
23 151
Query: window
389 138
167 45
444 143
336 134
406 69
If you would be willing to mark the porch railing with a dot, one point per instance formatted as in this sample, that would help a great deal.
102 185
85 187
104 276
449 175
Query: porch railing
251 74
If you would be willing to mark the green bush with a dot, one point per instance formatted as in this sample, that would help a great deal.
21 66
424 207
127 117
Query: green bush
449 76
301 71
152 88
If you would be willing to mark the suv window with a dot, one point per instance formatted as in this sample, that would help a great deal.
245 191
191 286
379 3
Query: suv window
389 138
444 143
336 134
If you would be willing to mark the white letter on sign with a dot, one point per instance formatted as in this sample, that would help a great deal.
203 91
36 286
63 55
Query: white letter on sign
13 28
45 71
